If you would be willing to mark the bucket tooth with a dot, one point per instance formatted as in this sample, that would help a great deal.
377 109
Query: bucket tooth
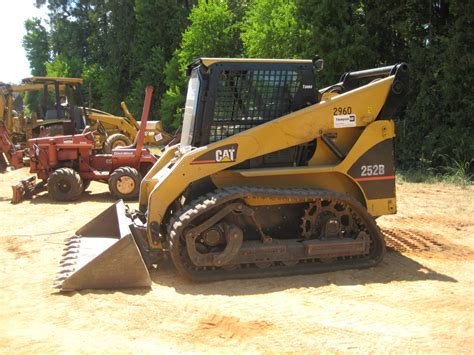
66 271
65 263
74 237
103 254
70 252
71 247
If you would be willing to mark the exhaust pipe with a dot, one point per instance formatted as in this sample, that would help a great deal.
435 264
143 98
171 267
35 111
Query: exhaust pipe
103 254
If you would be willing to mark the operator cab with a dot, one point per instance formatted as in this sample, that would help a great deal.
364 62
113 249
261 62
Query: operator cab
231 95
59 102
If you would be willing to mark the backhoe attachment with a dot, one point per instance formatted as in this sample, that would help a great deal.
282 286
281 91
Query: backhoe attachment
26 188
103 254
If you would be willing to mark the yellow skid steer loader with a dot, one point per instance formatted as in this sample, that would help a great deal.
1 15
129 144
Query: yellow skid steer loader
271 177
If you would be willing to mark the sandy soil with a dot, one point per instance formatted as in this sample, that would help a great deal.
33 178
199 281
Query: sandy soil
420 299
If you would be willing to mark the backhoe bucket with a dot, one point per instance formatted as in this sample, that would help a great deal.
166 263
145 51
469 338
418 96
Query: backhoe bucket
103 254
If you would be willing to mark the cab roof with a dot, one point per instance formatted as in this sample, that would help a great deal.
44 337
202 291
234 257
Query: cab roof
210 61
52 80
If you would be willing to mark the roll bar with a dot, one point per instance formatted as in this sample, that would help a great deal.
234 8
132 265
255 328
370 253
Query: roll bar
349 79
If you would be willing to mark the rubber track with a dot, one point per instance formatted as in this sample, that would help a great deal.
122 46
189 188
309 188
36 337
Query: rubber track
221 196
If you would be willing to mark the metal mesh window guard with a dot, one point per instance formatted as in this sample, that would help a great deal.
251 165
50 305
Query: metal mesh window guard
247 98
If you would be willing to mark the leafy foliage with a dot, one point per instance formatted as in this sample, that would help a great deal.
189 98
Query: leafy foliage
36 46
121 46
271 29
213 32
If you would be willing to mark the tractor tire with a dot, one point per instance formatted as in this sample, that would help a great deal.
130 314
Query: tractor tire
115 141
65 184
124 183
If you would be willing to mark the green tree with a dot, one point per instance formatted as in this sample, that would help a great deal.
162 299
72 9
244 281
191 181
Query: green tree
159 24
70 28
335 30
121 46
214 31
433 37
271 29
442 98
36 46
78 30
114 76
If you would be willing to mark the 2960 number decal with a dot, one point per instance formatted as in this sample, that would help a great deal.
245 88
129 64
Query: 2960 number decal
342 110
372 170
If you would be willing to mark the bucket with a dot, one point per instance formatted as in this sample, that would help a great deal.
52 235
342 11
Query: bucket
103 254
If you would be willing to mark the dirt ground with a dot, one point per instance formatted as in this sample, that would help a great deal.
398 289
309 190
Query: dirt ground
420 299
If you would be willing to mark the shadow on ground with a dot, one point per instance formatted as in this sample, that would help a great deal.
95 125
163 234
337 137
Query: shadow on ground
395 267
85 197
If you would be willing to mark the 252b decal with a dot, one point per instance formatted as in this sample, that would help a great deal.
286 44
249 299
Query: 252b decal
372 170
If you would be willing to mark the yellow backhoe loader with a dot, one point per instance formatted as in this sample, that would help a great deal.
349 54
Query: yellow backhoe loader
61 113
122 131
57 113
271 177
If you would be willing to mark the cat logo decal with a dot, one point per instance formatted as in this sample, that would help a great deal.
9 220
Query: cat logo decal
224 154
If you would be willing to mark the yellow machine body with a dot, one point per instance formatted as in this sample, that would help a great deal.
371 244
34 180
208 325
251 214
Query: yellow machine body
226 205
174 172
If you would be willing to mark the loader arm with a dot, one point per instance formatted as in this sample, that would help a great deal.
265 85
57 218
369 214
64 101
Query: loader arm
114 121
299 127
128 115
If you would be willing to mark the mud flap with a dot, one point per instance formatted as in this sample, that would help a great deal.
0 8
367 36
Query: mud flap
103 254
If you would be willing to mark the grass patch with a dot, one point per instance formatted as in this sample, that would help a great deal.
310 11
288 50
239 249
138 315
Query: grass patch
456 169
451 177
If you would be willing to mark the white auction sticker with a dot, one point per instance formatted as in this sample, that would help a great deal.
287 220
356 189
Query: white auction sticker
341 121
158 137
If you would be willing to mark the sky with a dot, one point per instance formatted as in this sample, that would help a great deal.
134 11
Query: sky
13 63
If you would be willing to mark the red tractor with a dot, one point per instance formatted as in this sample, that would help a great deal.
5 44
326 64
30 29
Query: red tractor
67 164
